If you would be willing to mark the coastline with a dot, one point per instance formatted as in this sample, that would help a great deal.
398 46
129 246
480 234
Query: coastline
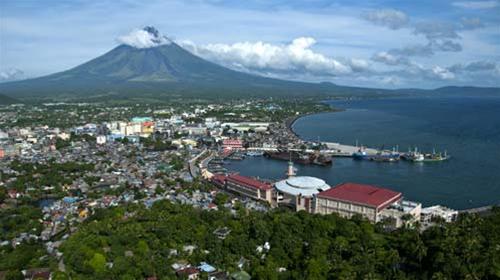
479 206
289 122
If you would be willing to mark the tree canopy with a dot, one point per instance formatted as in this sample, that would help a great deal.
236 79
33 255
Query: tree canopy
139 241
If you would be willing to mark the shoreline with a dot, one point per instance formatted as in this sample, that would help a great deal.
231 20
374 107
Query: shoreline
289 122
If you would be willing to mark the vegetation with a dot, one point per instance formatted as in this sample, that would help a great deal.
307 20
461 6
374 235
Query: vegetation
138 242
156 144
52 173
27 255
275 110
20 219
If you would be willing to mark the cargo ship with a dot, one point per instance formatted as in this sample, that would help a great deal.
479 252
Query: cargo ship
381 156
385 157
436 157
415 156
321 159
360 155
300 158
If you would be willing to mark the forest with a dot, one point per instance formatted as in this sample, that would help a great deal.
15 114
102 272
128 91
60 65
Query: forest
134 242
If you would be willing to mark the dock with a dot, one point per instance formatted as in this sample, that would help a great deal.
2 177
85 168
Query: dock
333 149
337 149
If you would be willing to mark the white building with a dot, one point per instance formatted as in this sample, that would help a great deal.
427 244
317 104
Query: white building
429 214
101 139
298 192
133 128
402 212
3 135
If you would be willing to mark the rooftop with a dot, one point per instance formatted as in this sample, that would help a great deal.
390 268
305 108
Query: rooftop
247 181
362 194
303 185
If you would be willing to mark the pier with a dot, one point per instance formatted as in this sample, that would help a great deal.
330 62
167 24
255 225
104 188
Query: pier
337 149
333 149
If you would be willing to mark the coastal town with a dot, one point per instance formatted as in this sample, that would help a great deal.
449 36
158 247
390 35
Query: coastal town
241 140
76 159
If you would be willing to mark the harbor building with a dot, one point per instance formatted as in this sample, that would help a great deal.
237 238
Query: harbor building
373 203
432 213
245 186
401 212
298 191
232 144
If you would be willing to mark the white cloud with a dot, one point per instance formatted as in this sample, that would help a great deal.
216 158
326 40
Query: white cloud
470 23
341 32
389 59
433 30
476 4
442 73
391 80
359 65
11 74
391 18
144 38
296 57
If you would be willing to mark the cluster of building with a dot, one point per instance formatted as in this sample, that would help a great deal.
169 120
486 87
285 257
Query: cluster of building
314 195
133 173
123 173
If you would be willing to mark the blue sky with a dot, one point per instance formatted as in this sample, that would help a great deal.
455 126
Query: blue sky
390 44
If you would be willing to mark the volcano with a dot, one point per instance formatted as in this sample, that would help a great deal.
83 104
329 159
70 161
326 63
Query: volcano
159 68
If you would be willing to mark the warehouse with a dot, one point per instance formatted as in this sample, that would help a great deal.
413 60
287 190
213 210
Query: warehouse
348 199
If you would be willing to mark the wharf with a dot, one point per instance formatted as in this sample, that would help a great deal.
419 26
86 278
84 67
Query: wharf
334 150
341 150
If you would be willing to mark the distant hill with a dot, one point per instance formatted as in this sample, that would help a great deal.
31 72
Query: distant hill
160 72
6 100
467 90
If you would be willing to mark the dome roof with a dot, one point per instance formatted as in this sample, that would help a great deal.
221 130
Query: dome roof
303 185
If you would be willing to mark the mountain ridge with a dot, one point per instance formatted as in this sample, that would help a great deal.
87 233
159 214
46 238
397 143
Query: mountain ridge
163 69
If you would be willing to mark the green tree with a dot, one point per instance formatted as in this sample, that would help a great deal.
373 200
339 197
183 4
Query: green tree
3 194
221 198
98 263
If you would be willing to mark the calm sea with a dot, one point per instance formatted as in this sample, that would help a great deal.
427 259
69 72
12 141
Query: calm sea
467 127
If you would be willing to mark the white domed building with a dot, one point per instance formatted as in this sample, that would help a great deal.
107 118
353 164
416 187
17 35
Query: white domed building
298 191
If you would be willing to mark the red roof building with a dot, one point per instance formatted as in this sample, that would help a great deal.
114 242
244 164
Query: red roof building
232 144
348 199
188 273
219 180
249 182
245 186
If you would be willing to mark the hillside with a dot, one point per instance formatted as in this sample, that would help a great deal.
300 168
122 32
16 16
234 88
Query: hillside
6 100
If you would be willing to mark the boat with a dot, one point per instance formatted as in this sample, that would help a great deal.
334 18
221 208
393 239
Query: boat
289 155
360 155
381 156
320 159
300 157
436 157
416 156
413 156
385 157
